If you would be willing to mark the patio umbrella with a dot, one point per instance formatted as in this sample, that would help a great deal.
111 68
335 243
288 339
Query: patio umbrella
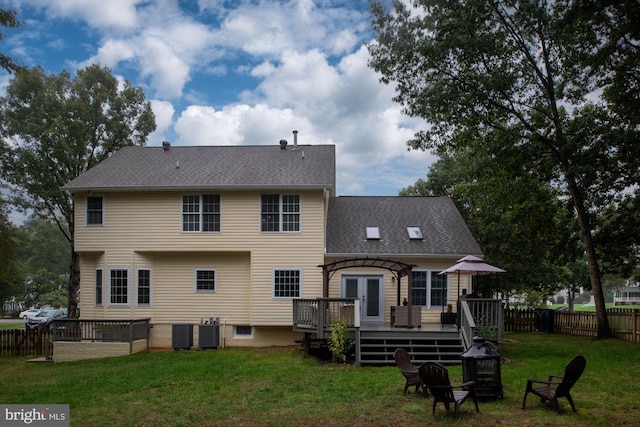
471 265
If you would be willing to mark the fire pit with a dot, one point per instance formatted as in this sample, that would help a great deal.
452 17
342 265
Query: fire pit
481 363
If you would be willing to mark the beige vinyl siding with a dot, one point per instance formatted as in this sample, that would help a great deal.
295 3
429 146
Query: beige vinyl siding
143 230
151 221
391 286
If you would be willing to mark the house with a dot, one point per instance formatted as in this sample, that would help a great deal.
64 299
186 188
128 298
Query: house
627 295
183 234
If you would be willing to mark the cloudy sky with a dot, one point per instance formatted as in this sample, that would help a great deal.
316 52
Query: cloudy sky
238 72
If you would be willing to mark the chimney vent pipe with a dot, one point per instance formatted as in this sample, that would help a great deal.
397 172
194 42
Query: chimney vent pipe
295 139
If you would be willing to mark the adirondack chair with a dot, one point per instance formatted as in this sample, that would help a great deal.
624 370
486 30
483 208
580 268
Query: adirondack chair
436 377
557 386
403 360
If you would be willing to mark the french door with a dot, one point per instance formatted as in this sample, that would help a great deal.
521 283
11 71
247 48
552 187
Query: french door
370 291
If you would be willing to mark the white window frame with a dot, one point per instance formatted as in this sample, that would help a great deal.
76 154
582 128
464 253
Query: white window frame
120 304
215 281
200 213
144 304
281 214
102 211
273 282
242 336
429 288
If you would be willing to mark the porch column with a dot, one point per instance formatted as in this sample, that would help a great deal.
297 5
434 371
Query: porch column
409 298
325 282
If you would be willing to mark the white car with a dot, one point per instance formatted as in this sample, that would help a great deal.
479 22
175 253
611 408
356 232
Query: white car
30 314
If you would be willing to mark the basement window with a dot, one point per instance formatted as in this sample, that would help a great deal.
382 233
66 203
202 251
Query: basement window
242 331
373 233
414 233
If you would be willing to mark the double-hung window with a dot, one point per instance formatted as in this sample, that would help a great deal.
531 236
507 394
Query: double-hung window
205 280
287 283
99 286
119 286
280 212
144 286
419 287
429 289
94 210
201 212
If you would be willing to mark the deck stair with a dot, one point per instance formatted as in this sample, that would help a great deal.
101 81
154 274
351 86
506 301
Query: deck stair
377 347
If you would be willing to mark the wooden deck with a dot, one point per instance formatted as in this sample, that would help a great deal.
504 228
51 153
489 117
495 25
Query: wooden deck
376 342
430 343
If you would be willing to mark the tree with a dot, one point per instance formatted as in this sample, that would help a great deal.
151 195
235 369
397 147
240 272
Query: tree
480 66
605 51
55 128
8 20
9 272
517 219
42 250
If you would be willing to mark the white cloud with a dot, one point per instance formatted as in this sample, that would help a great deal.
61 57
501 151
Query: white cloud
239 124
346 105
163 111
111 53
115 14
301 63
203 125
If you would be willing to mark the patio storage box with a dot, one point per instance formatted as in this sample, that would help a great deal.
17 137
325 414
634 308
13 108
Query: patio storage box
182 336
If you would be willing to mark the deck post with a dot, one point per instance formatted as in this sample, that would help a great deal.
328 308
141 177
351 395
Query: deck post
325 282
409 297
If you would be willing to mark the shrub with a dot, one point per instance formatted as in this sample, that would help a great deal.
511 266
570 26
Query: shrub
340 344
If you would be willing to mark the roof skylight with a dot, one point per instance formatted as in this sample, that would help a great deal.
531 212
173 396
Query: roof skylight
414 233
373 233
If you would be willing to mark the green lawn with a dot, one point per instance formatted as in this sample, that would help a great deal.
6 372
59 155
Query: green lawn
18 324
279 387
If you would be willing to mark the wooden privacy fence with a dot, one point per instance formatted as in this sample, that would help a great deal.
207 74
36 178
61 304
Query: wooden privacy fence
520 320
20 342
624 323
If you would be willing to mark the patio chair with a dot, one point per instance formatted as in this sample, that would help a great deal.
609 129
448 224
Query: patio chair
403 360
557 386
436 377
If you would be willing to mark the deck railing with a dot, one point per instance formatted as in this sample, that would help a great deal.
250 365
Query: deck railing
306 314
100 330
480 316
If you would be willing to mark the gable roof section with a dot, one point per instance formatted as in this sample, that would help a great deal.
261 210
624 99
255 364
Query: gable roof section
444 232
224 167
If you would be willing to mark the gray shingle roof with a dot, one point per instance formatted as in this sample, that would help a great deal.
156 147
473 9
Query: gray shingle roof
443 229
179 168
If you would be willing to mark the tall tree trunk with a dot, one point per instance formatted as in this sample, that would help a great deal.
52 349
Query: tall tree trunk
74 285
604 331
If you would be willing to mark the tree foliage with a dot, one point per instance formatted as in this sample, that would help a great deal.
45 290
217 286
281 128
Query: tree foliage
54 128
44 263
517 219
9 267
8 20
476 67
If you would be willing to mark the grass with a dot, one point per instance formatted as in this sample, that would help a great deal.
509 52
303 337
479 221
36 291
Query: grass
18 324
279 387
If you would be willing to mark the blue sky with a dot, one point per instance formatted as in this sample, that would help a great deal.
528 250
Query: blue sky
224 72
